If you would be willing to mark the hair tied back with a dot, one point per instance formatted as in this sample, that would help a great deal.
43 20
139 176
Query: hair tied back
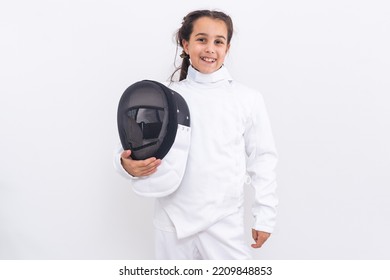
184 55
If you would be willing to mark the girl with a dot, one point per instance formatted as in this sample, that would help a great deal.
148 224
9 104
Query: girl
231 145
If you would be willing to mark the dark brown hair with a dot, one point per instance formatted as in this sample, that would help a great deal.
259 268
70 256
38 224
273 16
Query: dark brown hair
186 29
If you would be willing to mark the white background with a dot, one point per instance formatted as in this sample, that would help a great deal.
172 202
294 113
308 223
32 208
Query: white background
322 66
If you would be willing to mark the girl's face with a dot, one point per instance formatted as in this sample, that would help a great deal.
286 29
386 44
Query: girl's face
208 45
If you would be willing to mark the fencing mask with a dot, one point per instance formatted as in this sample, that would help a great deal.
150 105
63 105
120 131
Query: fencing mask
154 121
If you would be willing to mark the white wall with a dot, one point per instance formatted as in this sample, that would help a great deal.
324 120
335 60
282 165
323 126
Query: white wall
322 66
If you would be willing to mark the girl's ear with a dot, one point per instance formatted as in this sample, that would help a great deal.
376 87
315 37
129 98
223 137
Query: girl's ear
185 45
227 48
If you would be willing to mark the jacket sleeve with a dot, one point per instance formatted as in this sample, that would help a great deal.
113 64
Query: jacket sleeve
261 164
169 173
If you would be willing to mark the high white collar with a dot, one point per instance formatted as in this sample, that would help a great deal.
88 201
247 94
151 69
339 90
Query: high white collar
222 74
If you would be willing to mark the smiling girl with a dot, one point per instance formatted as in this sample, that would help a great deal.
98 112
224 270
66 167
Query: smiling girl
231 145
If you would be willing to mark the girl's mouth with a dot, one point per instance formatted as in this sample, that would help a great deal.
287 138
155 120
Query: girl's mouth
208 59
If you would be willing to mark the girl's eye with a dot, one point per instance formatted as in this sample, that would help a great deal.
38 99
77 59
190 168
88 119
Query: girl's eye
201 39
219 42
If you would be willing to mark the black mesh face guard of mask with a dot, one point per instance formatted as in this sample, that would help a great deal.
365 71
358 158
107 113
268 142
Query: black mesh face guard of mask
148 118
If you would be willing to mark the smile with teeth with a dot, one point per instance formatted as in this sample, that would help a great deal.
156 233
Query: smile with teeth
208 59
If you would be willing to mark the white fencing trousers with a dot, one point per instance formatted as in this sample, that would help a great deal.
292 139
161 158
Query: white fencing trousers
224 240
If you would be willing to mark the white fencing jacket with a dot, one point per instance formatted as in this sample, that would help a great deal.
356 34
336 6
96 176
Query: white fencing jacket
231 145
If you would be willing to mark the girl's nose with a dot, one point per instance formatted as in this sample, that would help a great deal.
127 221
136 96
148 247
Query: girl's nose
210 48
